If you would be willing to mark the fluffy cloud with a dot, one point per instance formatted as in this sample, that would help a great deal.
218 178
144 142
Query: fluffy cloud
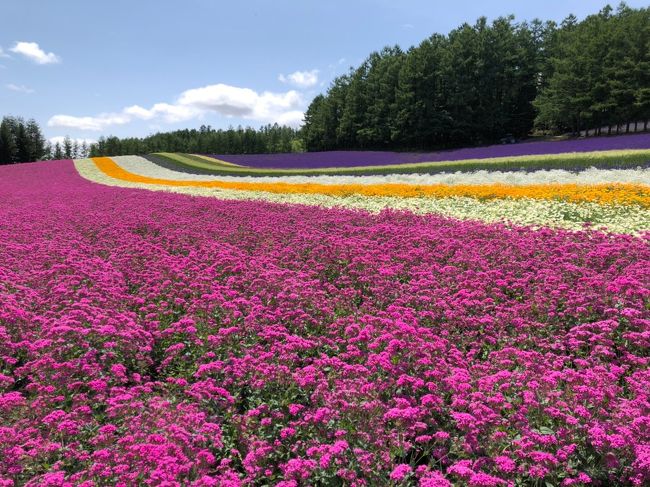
165 111
301 79
33 52
232 101
19 88
226 100
98 123
293 118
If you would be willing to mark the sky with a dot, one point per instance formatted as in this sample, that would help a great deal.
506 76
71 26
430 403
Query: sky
133 67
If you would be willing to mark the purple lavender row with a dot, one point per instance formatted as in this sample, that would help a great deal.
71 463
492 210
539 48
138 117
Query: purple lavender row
312 160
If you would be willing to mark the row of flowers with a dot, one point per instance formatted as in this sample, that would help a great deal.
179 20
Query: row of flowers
347 159
149 338
571 161
553 213
616 193
144 167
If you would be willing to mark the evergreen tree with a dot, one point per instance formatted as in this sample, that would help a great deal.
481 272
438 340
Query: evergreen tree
8 149
23 143
67 148
37 143
75 150
58 152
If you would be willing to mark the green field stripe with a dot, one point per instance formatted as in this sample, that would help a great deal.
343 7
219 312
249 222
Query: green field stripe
219 162
192 161
174 165
182 163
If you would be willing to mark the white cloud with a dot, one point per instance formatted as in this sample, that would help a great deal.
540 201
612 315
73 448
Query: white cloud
3 54
61 138
232 101
293 118
168 113
226 100
301 79
32 51
19 88
98 123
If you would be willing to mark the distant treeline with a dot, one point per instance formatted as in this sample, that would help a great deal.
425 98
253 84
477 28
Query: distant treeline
484 81
206 140
23 141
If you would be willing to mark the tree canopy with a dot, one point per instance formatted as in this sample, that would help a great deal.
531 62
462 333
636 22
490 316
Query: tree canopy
205 140
21 141
484 81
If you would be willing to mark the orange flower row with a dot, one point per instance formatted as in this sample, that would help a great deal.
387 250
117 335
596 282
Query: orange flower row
618 194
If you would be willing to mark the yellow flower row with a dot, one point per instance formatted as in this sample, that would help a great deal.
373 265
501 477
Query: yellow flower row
620 193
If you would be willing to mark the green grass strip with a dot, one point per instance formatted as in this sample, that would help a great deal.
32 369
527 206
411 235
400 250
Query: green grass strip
213 159
196 161
574 161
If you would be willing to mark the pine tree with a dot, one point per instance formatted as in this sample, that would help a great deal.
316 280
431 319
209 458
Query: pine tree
38 144
23 143
58 152
67 148
8 147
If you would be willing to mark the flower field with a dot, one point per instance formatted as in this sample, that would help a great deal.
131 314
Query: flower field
606 189
176 320
314 160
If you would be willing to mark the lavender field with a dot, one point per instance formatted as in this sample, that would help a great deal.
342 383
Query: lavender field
313 160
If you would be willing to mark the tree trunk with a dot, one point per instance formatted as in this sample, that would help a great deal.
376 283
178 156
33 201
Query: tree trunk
618 128
609 130
627 128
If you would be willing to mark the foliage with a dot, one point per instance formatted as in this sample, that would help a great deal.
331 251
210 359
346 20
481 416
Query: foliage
600 72
21 141
268 139
484 81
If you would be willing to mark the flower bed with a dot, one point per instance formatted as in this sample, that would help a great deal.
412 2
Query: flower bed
570 161
312 160
615 193
618 218
145 167
159 339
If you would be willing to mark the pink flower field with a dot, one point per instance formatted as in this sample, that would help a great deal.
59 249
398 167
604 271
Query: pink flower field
151 338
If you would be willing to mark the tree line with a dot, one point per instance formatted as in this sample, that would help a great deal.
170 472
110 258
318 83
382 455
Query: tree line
23 141
485 81
270 138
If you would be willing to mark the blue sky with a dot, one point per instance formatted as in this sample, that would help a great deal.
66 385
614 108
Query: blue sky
127 67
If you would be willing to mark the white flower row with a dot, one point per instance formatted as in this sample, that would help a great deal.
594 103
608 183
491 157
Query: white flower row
552 213
143 167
